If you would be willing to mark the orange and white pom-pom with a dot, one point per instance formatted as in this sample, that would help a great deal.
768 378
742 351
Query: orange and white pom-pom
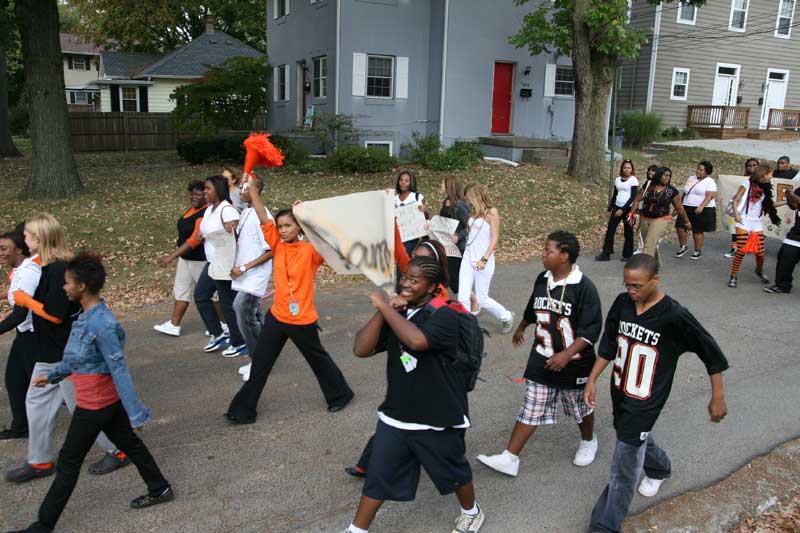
752 244
259 151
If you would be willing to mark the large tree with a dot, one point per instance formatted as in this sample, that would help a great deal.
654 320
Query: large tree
7 39
53 170
161 25
597 35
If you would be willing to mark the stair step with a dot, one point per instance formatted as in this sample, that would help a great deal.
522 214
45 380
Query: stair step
521 142
551 161
529 153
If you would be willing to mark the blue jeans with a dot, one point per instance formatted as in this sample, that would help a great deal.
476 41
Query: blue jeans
203 291
249 318
626 468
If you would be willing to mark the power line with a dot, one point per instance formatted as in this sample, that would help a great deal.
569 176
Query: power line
711 40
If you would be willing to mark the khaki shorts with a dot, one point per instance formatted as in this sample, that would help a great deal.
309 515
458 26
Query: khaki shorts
186 276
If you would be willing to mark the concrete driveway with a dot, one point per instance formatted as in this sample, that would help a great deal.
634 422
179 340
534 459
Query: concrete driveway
748 147
284 473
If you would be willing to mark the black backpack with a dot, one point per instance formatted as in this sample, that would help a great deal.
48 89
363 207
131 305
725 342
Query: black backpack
469 352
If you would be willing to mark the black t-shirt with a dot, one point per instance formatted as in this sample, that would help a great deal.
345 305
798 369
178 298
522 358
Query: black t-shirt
185 229
52 338
432 392
645 350
559 325
787 174
794 232
657 204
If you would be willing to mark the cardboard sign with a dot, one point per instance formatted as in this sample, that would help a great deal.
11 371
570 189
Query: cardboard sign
224 244
410 222
354 233
442 229
727 186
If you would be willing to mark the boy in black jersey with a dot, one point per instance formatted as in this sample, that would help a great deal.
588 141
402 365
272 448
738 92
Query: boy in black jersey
565 308
645 333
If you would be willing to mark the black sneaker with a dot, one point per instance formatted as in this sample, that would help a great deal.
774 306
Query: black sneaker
732 282
108 464
336 407
602 257
697 254
625 259
356 471
147 500
776 289
730 253
681 251
27 472
8 434
764 279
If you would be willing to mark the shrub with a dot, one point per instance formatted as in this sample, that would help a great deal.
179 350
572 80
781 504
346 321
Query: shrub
462 155
295 153
671 133
422 148
641 127
202 150
352 159
229 149
689 133
233 151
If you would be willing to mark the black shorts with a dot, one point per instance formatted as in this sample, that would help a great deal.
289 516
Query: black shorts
705 222
398 454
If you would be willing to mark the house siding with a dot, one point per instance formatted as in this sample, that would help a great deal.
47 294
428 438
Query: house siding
754 51
635 74
158 94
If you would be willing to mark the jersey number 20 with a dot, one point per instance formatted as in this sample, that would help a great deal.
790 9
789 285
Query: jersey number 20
545 346
637 377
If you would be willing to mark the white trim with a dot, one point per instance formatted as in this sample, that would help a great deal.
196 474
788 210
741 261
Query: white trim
762 121
791 20
679 20
277 16
338 56
444 70
685 96
359 80
738 78
730 18
367 144
393 79
323 87
550 80
275 84
122 99
653 56
401 85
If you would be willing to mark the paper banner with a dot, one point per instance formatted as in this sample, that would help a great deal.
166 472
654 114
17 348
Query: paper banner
224 244
728 185
354 233
410 222
441 229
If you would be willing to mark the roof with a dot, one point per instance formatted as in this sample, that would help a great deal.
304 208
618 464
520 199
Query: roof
71 43
125 64
189 60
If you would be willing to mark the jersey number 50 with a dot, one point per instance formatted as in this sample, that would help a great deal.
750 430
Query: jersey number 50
545 346
641 368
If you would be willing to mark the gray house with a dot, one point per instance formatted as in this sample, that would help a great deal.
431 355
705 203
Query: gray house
439 67
720 68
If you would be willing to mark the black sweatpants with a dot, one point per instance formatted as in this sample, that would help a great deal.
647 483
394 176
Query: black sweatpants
273 337
788 257
83 430
453 270
611 230
19 369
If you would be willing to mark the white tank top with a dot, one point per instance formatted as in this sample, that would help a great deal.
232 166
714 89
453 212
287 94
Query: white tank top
478 239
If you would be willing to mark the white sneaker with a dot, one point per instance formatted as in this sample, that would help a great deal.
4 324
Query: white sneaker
466 523
505 463
586 452
649 487
508 324
225 331
235 351
168 328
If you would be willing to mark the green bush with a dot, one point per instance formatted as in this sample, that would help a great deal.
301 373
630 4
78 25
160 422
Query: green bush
689 133
295 153
671 133
229 149
202 150
356 159
423 148
462 155
641 127
232 150
19 120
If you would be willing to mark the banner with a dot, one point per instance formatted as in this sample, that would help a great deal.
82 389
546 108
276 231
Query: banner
410 222
354 233
728 185
441 229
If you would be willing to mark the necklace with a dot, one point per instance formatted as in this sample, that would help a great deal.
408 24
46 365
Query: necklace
563 290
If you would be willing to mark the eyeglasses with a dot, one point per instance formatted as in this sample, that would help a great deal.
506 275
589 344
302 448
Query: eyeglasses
635 286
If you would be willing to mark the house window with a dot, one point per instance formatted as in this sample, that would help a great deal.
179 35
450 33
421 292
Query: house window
687 13
783 27
379 76
565 81
80 63
281 8
320 77
680 84
382 145
283 83
79 98
738 15
130 100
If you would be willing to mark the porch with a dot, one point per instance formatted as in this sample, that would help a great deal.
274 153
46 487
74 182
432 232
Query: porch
733 122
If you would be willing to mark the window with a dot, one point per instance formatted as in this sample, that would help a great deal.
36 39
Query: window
565 81
130 101
687 13
383 145
283 83
379 76
320 77
281 8
79 63
680 84
783 27
738 15
80 98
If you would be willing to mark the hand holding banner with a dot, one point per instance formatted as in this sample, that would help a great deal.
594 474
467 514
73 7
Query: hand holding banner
442 229
410 222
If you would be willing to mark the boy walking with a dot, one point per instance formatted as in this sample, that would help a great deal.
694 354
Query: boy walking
645 333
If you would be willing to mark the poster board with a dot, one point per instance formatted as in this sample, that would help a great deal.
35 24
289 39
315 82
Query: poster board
224 244
441 229
410 222
727 186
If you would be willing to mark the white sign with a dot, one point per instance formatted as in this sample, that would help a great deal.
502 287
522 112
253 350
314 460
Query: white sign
410 222
354 233
442 229
224 244
728 185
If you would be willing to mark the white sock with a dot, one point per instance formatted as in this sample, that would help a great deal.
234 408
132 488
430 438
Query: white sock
511 455
473 511
355 529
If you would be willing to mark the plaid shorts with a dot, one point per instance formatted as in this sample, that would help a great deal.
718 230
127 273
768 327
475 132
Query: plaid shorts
540 408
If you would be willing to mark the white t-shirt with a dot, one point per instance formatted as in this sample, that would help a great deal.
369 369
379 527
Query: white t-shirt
698 191
624 189
412 198
25 278
212 221
249 246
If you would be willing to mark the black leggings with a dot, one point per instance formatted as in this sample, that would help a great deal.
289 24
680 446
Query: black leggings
611 230
19 369
273 337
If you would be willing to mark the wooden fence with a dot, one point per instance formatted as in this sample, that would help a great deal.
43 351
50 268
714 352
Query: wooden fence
129 131
784 119
717 116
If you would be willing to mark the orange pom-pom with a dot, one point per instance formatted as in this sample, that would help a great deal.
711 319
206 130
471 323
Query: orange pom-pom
259 151
752 244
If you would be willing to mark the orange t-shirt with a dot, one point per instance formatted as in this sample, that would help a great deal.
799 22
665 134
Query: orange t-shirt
294 267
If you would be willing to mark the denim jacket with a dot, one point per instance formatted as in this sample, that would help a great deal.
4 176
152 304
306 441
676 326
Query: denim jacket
95 346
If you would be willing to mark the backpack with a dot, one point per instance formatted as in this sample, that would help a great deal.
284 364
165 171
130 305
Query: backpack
469 352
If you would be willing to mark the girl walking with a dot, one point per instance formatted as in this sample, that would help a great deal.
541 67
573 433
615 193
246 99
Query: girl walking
699 199
478 263
619 206
455 206
406 194
749 166
234 182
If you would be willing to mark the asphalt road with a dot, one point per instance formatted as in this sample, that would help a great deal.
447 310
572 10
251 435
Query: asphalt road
284 473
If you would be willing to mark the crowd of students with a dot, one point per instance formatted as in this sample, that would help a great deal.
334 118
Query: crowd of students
69 348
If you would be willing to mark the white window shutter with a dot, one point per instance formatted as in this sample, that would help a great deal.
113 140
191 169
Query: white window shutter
359 74
276 81
550 80
288 7
275 9
402 78
288 83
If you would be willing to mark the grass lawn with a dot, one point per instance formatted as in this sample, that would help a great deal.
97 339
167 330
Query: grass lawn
133 200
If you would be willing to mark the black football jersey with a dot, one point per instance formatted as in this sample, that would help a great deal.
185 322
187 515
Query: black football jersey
645 350
559 323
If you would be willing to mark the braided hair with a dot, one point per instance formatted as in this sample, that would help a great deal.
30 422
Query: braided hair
431 270
757 178
566 243
436 251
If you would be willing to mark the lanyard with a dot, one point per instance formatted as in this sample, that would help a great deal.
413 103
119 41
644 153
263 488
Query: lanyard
294 307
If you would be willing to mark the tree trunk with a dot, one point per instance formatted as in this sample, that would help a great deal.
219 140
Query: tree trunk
7 147
594 74
53 170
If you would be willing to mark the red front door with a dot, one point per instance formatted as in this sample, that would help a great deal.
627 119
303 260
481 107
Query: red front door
501 98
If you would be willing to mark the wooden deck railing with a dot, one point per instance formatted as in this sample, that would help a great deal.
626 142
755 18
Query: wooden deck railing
717 116
785 119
